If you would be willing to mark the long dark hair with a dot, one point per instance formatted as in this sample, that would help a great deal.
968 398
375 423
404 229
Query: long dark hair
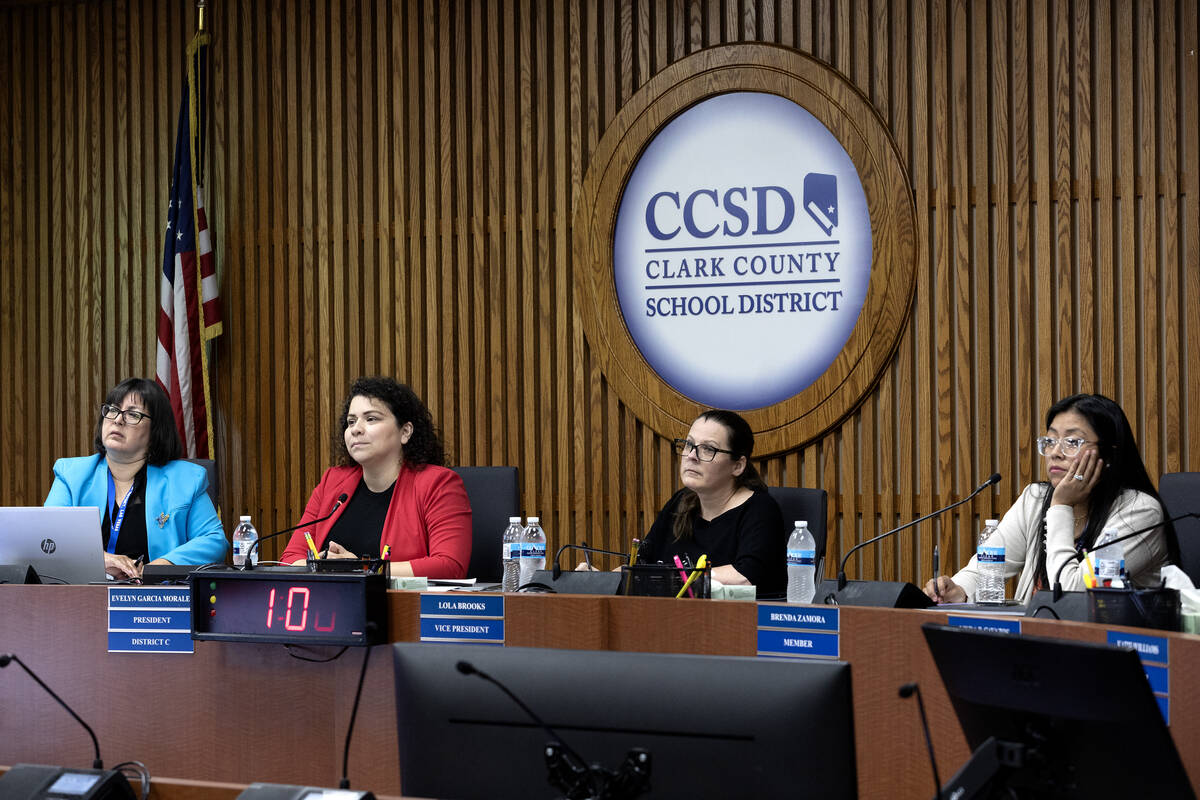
164 444
425 444
1123 469
741 442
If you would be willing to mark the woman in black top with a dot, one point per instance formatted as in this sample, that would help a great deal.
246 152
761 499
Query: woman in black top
723 509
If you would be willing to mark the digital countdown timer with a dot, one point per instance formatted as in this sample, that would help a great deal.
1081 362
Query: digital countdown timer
289 607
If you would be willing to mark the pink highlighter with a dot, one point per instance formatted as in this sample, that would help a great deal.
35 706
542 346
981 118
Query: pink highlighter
683 574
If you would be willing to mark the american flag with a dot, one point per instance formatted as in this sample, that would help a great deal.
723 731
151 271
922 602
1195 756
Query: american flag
189 309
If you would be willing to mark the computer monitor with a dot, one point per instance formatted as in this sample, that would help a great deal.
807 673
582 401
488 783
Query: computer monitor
1081 718
714 726
62 543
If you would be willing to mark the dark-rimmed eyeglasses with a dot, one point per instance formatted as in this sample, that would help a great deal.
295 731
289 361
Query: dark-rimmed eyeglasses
132 415
704 452
1070 445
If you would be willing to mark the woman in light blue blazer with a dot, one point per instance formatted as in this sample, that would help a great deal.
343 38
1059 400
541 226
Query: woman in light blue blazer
137 469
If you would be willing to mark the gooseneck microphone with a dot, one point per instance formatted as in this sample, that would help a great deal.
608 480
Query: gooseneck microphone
6 658
467 668
557 570
1082 552
841 578
248 565
906 691
568 771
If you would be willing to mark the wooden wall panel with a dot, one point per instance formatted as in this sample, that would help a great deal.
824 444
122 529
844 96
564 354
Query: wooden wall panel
393 185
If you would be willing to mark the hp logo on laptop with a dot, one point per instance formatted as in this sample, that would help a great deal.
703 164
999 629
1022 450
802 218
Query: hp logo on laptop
48 546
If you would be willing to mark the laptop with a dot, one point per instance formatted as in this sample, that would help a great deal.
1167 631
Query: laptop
62 544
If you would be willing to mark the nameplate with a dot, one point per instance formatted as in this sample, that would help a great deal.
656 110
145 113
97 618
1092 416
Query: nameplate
145 619
466 619
985 624
1154 652
474 605
795 631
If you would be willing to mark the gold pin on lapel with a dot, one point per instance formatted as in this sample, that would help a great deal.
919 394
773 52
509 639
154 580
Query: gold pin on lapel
162 520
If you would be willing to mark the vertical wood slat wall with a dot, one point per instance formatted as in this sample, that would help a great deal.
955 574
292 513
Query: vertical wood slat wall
392 188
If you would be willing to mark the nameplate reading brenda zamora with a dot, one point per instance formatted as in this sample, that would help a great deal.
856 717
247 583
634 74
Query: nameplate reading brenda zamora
794 631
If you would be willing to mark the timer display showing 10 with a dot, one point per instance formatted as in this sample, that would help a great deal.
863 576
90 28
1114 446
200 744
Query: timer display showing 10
289 607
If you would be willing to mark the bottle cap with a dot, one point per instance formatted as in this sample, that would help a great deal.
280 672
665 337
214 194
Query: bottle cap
514 520
244 518
533 520
800 523
992 522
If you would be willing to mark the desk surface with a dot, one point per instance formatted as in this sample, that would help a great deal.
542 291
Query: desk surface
238 713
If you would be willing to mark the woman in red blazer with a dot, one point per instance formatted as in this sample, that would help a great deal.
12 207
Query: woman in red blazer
400 495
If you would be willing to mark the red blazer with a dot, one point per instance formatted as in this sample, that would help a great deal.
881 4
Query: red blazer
428 521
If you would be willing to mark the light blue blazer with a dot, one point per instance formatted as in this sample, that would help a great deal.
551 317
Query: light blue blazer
181 523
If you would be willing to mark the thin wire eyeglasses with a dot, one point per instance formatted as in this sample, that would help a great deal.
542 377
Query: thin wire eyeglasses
1070 445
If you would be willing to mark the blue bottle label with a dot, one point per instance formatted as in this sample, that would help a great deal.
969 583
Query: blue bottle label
534 550
802 558
990 555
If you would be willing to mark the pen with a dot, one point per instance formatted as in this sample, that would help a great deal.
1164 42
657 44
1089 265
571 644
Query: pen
937 570
387 548
587 557
312 548
701 563
683 576
633 551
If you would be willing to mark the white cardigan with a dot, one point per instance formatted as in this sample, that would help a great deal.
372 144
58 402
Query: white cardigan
1132 510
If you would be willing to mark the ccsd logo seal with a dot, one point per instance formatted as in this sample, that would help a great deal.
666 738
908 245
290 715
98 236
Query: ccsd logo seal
742 250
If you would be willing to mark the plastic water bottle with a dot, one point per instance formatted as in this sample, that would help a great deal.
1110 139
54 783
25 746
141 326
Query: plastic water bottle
510 556
1109 560
533 550
244 537
990 559
801 564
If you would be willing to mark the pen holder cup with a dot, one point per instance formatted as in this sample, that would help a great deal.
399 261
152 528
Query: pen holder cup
1135 608
360 565
660 580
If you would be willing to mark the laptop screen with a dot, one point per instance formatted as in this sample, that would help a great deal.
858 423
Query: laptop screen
62 544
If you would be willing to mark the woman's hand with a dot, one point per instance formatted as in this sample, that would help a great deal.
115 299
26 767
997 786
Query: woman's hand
943 590
1083 473
121 567
335 550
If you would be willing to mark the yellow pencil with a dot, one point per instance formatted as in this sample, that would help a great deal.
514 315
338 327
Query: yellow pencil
312 548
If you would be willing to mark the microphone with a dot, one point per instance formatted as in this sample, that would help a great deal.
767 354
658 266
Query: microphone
345 781
580 765
7 658
584 547
841 578
1081 552
906 691
248 565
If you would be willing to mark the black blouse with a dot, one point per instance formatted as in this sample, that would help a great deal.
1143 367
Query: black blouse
751 537
131 541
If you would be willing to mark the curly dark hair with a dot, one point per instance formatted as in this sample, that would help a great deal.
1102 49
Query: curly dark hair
164 444
425 444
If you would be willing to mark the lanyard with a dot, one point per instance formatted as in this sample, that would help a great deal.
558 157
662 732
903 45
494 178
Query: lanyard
115 525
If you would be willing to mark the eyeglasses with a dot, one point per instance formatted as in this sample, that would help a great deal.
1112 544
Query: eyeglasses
1070 445
132 416
704 452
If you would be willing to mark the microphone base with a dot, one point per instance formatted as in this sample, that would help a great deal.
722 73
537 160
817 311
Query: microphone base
282 791
579 582
33 781
1072 606
878 594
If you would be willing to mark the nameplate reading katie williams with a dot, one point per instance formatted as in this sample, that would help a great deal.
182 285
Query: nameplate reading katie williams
462 620
794 631
1154 651
150 619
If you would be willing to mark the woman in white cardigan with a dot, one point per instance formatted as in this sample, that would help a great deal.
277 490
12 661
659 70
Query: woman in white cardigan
1095 480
